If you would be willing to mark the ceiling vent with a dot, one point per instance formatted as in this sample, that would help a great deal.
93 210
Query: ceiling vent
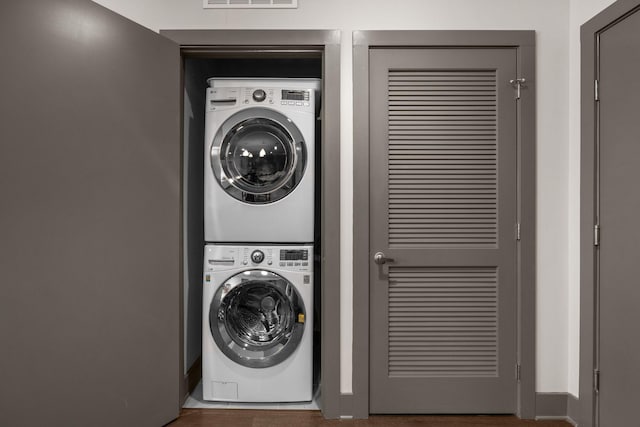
255 4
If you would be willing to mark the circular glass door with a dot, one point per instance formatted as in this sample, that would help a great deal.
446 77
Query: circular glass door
257 318
258 156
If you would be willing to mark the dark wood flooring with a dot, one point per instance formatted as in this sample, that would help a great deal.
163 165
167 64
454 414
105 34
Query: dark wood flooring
256 418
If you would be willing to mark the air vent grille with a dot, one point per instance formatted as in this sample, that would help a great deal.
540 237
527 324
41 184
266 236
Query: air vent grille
443 322
242 4
443 158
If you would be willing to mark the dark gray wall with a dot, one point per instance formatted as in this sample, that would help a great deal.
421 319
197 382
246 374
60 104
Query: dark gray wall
194 78
90 218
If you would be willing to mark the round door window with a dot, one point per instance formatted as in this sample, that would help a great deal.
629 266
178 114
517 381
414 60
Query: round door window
257 318
258 156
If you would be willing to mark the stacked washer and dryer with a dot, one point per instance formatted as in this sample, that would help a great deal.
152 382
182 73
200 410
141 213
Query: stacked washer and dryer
259 181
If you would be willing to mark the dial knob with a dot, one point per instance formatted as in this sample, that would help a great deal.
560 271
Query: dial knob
257 256
259 95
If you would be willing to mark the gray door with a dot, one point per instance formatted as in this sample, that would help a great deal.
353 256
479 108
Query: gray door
619 291
443 211
90 218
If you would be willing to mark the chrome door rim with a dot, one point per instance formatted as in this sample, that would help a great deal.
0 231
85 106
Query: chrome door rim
285 126
245 352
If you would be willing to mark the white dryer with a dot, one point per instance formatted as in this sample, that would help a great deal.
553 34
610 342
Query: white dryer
257 330
259 160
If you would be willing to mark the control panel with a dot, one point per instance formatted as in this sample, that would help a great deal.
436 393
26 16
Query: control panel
297 98
294 258
229 97
219 258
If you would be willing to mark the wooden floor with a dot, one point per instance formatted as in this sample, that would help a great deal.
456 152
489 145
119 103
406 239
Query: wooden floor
255 418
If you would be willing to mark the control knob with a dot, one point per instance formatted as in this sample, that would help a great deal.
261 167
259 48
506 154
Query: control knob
259 95
257 256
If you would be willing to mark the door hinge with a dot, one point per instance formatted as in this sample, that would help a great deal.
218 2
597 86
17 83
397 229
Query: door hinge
596 380
518 231
518 372
596 90
596 235
518 83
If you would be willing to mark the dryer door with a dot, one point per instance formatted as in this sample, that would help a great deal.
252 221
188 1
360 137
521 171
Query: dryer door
258 156
257 318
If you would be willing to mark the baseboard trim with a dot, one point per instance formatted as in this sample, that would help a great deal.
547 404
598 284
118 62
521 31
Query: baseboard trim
192 378
346 406
573 409
557 406
554 418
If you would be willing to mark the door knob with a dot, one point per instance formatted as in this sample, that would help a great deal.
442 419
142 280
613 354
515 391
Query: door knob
380 259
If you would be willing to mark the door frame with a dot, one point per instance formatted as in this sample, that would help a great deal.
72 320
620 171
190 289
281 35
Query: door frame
589 142
294 43
524 43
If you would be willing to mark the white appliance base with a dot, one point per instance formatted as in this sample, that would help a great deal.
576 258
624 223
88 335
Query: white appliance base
195 401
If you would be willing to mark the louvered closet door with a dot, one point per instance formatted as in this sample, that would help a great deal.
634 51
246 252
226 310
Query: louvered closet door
443 208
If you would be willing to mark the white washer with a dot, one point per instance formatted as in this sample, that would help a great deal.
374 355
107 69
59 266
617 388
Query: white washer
257 329
259 160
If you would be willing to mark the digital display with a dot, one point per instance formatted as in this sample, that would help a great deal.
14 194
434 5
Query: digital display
294 255
295 95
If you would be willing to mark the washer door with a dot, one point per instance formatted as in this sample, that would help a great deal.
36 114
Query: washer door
257 318
258 156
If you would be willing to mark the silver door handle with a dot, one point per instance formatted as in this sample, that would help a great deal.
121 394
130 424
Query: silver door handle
380 259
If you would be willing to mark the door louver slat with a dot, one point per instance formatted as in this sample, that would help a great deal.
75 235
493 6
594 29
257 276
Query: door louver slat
443 322
442 158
